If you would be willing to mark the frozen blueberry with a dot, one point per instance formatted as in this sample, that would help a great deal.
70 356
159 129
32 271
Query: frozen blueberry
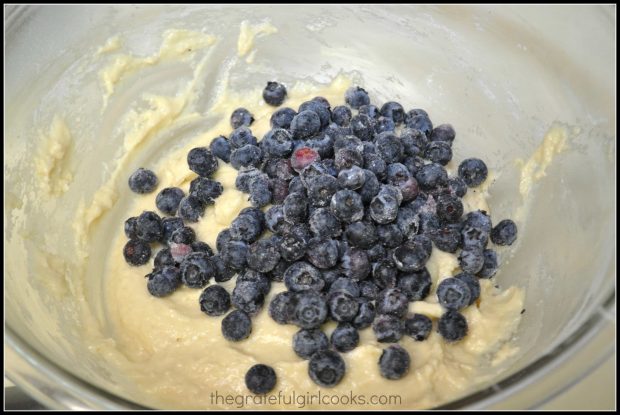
262 282
295 208
234 254
414 142
370 188
305 124
301 276
236 326
303 157
443 132
241 117
416 111
452 326
180 251
394 111
370 110
274 93
321 188
282 118
206 190
246 228
384 124
390 235
345 337
389 147
168 200
330 276
361 234
447 238
137 252
449 208
349 141
242 136
413 254
247 156
308 342
419 122
342 306
369 290
163 281
415 285
148 227
504 233
293 246
384 206
274 219
356 96
345 158
197 269
201 161
277 143
282 307
473 171
324 224
394 362
418 327
248 296
184 235
199 246
398 175
322 253
392 301
260 379
471 259
352 178
260 193
431 175
222 271
245 177
214 300
354 263
310 310
489 268
388 328
363 127
453 293
345 284
365 314
375 164
478 219
341 115
476 227
131 227
472 283
326 368
439 152
347 206
222 239
263 255
322 109
164 258
142 181
384 273
413 164
457 186
191 208
220 148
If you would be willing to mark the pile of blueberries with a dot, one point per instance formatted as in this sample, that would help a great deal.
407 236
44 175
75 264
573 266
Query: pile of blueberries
356 210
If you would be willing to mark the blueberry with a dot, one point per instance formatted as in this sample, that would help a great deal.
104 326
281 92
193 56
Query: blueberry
354 264
407 218
222 239
321 100
389 147
199 246
142 181
384 274
274 93
394 111
413 164
439 152
282 307
370 188
303 157
184 235
246 228
418 327
474 237
342 306
131 227
308 342
431 175
452 326
241 117
415 285
274 218
277 143
191 208
164 258
394 362
326 368
349 141
341 115
447 238
137 252
197 270
392 301
321 189
305 124
345 284
504 233
322 253
370 110
220 148
322 110
414 112
295 208
387 328
310 310
376 252
398 175
247 156
414 142
443 132
390 235
234 254
242 136
236 326
471 259
277 273
293 246
148 227
472 283
345 337
168 200
260 379
282 118
384 206
420 122
330 276
206 190
301 276
245 177
201 161
449 208
222 271
214 301
369 290
489 267
457 186
478 219
352 178
347 206
323 223
365 314
262 282
323 144
248 296
179 251
384 124
473 171
361 234
356 96
453 293
345 158
260 193
163 281
263 255
363 127
413 254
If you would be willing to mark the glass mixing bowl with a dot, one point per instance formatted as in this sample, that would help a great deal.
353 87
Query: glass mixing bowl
501 75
